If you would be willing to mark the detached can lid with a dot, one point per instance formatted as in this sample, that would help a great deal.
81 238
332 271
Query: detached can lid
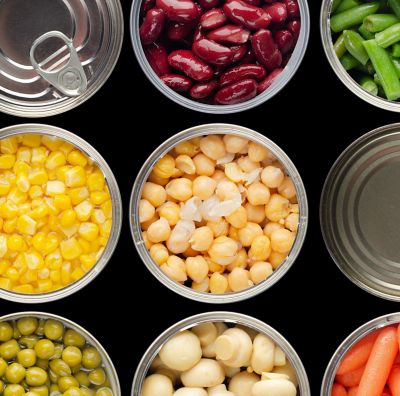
55 54
360 212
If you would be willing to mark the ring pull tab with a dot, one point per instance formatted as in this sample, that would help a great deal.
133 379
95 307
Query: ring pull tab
70 79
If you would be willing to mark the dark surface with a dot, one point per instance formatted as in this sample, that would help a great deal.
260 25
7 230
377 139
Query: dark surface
290 120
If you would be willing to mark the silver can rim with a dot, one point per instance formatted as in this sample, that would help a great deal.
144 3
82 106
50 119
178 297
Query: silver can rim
279 83
208 129
354 337
227 317
116 200
117 18
339 70
74 326
324 199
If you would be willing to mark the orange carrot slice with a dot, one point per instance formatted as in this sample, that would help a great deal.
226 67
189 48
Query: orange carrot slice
379 363
394 381
352 378
352 391
338 390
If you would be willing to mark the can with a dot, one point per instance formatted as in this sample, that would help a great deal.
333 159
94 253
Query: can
58 55
359 212
353 338
229 318
106 360
279 83
91 152
208 129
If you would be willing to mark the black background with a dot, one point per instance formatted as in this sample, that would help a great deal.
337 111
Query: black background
314 118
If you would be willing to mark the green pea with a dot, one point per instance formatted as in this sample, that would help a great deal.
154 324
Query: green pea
26 357
42 363
82 378
65 383
104 392
40 390
91 358
53 329
54 390
3 367
36 376
6 331
27 325
53 377
73 338
73 391
58 348
29 341
45 349
9 349
15 373
30 393
72 356
97 376
14 390
60 368
40 328
87 391
16 332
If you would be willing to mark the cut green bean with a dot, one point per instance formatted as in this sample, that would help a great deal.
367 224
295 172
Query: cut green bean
395 6
396 64
349 62
335 5
396 50
354 16
369 85
339 46
354 44
377 81
378 22
366 33
367 69
347 4
384 68
388 36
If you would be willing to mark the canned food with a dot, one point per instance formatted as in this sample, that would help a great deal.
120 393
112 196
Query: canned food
41 354
348 367
217 257
61 211
246 327
236 89
58 55
359 211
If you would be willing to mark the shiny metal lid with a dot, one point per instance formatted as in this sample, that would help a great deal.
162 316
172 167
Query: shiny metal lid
55 54
360 212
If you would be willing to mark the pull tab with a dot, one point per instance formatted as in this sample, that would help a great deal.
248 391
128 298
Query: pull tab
70 79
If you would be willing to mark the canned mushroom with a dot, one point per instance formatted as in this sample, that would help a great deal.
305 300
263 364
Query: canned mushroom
218 213
43 354
60 213
367 362
220 354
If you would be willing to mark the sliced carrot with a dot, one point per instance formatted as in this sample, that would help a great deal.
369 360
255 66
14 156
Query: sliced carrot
338 390
358 355
397 360
352 391
379 363
352 378
394 381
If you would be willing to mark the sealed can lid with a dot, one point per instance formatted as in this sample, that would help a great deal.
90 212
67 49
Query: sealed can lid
360 212
55 54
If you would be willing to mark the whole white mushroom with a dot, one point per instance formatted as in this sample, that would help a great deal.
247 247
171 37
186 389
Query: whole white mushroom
262 359
190 392
205 374
242 383
157 384
207 333
274 387
219 390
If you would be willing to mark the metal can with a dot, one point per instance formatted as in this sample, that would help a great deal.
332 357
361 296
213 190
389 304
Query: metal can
353 338
228 318
143 175
58 55
359 212
279 83
106 361
85 147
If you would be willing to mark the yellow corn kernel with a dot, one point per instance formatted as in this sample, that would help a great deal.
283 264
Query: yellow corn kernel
26 225
35 192
31 140
89 231
9 145
75 177
12 274
105 228
52 208
78 194
9 226
1 223
54 260
68 217
43 273
55 276
85 245
4 186
30 276
21 167
66 148
17 196
23 182
39 155
51 142
4 265
44 285
16 243
70 249
107 209
84 210
98 197
5 283
34 260
77 274
96 181
24 208
52 242
55 187
55 160
103 240
37 202
70 231
60 172
53 223
66 273
87 261
62 201
24 154
39 241
8 210
24 289
75 157
7 161
98 216
40 212
38 177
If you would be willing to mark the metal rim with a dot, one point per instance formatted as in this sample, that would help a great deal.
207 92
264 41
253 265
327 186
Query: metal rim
92 153
353 338
108 364
142 176
279 84
323 213
228 317
339 70
117 23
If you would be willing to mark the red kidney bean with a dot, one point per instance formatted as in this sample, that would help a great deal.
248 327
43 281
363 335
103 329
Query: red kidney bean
212 52
292 8
158 58
252 17
265 49
239 51
256 3
145 6
179 10
284 40
231 34
294 26
277 11
190 64
178 31
177 82
207 4
152 26
241 72
203 90
236 93
266 83
213 19
198 34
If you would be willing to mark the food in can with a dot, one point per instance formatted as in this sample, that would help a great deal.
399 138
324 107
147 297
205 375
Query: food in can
55 213
214 358
218 213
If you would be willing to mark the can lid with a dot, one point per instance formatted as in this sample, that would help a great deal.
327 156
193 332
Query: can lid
360 212
55 54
